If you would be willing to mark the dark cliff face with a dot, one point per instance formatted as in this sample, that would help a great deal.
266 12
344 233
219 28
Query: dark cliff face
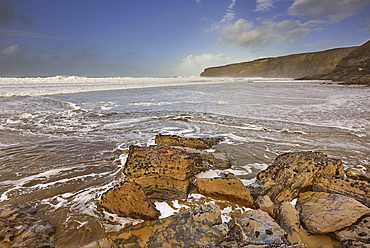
291 66
352 69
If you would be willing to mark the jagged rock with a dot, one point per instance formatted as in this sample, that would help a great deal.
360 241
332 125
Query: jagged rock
165 173
358 173
19 227
288 219
318 240
357 235
264 203
291 173
226 187
257 226
192 227
129 199
174 140
356 189
323 212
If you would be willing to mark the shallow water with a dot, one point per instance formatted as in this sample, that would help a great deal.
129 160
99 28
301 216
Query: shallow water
63 142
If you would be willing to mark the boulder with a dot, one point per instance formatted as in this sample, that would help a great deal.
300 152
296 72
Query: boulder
165 173
322 213
192 227
175 140
357 235
292 173
288 219
129 199
356 189
19 227
227 187
264 203
256 226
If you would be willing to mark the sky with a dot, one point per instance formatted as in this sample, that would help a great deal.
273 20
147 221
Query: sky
166 38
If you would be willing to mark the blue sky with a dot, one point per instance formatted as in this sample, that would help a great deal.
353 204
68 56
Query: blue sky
168 37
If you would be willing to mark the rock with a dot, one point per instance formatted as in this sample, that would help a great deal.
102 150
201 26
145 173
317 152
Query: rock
264 203
129 199
227 187
190 228
356 189
357 235
291 66
358 173
257 226
174 140
288 219
318 240
292 173
322 213
19 227
164 173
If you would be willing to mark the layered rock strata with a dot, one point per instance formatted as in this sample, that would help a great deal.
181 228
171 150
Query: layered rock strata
164 173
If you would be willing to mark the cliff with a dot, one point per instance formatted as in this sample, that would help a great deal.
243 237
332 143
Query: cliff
290 66
352 69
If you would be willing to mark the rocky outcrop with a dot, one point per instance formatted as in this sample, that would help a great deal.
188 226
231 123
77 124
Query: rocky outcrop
190 228
19 227
292 173
291 66
257 226
356 235
164 173
175 140
351 69
323 213
129 199
358 173
227 187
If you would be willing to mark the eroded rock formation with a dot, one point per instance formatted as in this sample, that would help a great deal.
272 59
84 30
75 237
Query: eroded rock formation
292 173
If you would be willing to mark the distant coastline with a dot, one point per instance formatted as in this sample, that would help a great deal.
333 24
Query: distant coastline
349 65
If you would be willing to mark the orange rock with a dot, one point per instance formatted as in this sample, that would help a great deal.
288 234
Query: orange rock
129 199
227 187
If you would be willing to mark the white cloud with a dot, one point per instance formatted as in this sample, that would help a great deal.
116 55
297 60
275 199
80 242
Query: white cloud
244 34
193 65
227 18
16 33
199 2
264 5
334 10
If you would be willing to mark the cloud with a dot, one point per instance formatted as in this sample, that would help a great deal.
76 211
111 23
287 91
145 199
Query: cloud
227 18
12 53
194 65
334 10
199 2
16 33
244 34
264 5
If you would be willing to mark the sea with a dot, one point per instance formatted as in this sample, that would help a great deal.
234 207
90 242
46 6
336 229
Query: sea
64 140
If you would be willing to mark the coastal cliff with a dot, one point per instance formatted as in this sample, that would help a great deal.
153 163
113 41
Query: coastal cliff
352 69
290 66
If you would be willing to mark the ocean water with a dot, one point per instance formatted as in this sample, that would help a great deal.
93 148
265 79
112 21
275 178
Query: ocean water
64 140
